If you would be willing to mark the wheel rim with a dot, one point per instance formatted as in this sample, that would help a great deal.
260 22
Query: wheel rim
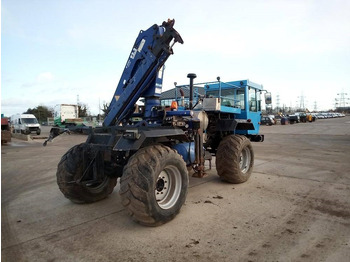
245 159
95 186
168 187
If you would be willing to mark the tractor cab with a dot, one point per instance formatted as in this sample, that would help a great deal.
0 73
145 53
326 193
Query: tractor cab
241 98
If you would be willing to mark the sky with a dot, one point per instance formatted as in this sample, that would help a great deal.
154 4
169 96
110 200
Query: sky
62 51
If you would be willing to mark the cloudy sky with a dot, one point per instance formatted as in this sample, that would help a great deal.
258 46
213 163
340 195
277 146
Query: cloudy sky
54 51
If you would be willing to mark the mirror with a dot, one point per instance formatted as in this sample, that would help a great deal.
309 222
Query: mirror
268 98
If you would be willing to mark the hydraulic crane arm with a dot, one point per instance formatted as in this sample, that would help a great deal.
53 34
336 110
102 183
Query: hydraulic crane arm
149 53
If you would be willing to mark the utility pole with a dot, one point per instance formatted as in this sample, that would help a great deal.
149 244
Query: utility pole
342 101
301 101
99 109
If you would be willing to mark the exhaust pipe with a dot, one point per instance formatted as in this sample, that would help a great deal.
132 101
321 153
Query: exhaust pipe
191 76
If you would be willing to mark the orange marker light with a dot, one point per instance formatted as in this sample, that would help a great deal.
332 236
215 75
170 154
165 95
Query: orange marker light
173 105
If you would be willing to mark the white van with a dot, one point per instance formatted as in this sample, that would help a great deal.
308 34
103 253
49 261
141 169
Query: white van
25 124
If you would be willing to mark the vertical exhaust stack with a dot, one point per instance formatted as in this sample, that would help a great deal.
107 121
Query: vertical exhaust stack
191 76
198 135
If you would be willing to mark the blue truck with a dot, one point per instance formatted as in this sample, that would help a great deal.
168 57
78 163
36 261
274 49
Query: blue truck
151 147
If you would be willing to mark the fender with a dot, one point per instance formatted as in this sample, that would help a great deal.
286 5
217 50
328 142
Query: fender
135 138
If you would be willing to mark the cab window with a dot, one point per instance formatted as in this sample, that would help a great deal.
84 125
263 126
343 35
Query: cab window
229 97
253 105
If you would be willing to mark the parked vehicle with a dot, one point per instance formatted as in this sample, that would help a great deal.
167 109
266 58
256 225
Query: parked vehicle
5 130
266 120
314 116
273 118
67 115
310 117
284 120
320 116
294 119
25 124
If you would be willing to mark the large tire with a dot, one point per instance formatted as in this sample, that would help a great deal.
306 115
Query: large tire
235 159
154 185
70 169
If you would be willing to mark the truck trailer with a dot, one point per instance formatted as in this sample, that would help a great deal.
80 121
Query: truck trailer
66 115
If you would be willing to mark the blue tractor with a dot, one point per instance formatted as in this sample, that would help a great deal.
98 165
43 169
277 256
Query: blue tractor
151 147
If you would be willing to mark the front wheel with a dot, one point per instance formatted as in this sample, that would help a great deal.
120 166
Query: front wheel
70 172
154 185
235 159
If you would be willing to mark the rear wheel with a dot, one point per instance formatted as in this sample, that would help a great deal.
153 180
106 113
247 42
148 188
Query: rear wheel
235 159
154 185
69 173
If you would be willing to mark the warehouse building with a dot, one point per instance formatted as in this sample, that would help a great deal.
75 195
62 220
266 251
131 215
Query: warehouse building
175 94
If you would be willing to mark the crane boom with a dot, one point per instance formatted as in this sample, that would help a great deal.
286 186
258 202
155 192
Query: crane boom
140 76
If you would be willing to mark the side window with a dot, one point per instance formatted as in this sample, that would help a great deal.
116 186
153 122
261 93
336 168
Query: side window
240 99
258 97
252 100
228 97
19 121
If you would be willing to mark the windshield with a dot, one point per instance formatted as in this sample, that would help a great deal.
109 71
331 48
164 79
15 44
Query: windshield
29 120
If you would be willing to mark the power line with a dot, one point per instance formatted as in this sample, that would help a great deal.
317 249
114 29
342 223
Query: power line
342 101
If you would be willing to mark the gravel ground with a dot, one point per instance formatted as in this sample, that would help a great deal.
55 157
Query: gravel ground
295 207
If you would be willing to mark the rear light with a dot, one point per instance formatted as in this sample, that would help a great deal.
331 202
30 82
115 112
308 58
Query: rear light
249 120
